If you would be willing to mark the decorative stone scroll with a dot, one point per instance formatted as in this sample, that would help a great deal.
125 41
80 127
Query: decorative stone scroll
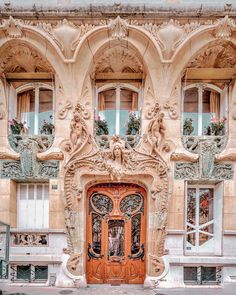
64 109
29 240
117 163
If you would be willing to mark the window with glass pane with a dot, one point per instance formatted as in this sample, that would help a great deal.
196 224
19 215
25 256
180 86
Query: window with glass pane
41 272
116 238
34 107
200 217
115 106
201 106
23 272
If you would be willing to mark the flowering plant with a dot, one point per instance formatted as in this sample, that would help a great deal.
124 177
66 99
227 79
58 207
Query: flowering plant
47 127
216 127
133 125
188 126
101 127
16 127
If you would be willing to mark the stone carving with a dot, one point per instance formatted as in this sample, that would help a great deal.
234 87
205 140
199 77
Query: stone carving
73 264
207 150
18 57
50 156
8 155
2 111
192 171
172 105
13 27
28 150
63 109
224 27
118 28
44 142
114 162
158 265
43 170
29 239
220 55
181 156
170 35
117 59
229 155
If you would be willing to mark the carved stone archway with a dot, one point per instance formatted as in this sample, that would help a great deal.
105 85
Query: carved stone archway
85 162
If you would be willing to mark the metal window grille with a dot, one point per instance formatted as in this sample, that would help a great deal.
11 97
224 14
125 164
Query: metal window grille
201 275
29 273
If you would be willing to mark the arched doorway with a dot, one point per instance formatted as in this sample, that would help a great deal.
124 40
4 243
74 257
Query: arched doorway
116 234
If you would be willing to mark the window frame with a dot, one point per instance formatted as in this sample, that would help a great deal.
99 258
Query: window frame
45 201
35 86
214 246
201 87
117 86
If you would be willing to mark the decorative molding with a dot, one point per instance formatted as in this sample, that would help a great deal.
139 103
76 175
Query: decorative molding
50 156
72 264
13 27
63 109
118 28
29 240
2 111
8 155
184 157
115 163
224 28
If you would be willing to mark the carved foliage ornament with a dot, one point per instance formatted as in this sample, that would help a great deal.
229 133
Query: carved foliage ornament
224 28
13 27
118 28
63 109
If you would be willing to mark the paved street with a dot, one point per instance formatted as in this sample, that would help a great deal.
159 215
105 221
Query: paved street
229 289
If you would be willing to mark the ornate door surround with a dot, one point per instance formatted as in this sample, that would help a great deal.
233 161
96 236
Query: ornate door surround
116 233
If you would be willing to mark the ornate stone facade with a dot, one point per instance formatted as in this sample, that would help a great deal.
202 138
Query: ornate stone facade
121 48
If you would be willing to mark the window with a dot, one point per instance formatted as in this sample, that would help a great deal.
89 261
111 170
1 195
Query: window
33 104
203 219
33 205
29 273
202 275
202 104
114 105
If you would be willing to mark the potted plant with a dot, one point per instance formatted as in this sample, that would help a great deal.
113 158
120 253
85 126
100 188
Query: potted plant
16 127
133 125
47 127
188 126
101 127
216 127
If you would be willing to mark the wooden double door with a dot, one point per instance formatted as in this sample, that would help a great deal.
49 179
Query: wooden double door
116 231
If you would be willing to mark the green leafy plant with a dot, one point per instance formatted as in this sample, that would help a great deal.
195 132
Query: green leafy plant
47 127
101 127
134 124
16 127
188 126
216 127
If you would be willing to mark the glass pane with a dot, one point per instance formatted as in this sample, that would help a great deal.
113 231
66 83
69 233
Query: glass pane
191 238
205 205
97 233
116 238
41 272
190 274
31 192
135 233
26 110
46 188
23 191
128 112
191 205
107 109
206 113
190 117
45 110
208 274
23 272
39 192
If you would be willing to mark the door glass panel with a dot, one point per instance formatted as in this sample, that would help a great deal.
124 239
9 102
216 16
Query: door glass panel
116 238
96 232
101 204
131 204
205 205
107 108
191 205
191 112
135 233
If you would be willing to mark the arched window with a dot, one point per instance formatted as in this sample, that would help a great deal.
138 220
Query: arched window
117 105
35 106
204 110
